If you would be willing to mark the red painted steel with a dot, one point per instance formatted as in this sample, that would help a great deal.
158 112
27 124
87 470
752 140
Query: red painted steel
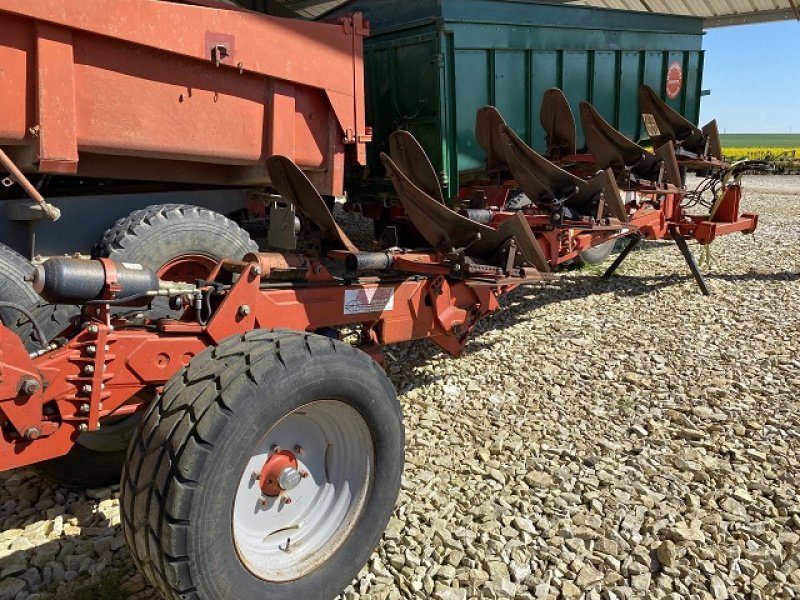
174 92
102 370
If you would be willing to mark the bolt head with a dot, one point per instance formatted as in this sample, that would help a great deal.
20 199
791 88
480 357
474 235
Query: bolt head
83 427
298 449
32 433
256 270
93 329
91 350
89 369
30 386
87 389
85 408
244 310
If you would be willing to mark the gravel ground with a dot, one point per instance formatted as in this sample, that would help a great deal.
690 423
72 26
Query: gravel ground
622 439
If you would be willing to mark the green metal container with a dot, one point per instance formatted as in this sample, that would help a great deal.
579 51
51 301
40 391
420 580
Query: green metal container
430 64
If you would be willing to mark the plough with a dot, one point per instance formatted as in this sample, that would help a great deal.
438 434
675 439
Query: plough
619 189
268 456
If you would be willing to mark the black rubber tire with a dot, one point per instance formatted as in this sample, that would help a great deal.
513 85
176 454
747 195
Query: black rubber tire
183 468
157 234
53 319
597 255
14 268
83 468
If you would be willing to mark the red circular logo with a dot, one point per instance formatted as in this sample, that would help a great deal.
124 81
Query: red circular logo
674 80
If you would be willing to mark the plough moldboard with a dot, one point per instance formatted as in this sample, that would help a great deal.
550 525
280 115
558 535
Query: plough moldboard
528 215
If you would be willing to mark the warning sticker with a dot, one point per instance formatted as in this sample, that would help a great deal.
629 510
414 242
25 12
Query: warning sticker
368 300
651 125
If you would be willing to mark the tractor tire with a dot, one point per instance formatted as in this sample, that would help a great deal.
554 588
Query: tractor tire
195 514
597 255
178 241
14 268
53 319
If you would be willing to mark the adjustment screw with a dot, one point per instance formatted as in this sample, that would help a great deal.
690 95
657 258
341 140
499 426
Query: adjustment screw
244 310
85 408
83 427
93 329
29 386
91 350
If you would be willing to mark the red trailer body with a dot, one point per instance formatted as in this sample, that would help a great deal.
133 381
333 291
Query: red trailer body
137 89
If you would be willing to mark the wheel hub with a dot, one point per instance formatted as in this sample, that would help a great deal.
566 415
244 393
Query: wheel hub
280 473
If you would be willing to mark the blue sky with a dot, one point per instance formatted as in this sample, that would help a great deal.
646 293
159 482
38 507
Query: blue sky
753 72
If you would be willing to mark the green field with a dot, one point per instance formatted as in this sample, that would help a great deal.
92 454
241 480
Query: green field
761 140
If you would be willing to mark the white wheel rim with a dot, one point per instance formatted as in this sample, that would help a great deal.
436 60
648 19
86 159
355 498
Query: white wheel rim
279 541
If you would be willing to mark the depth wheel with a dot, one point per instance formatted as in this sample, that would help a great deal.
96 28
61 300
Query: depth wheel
179 242
268 468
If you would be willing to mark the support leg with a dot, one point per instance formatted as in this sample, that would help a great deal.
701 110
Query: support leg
687 254
622 256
